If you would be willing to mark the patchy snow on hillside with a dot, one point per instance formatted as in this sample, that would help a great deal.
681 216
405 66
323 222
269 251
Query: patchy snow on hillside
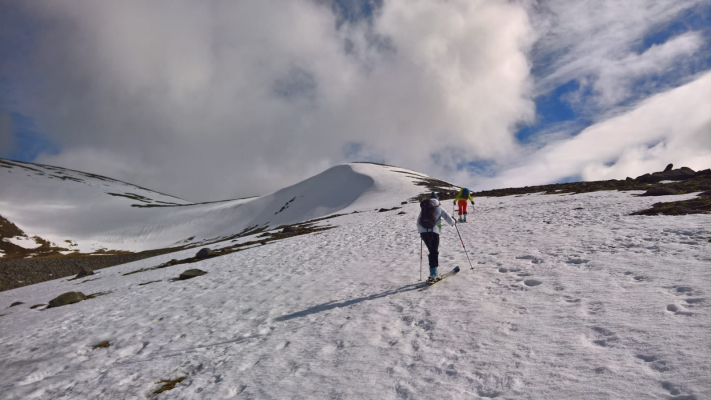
100 213
24 242
570 297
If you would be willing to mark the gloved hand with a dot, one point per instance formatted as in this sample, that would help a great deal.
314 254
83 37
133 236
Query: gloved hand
472 203
455 202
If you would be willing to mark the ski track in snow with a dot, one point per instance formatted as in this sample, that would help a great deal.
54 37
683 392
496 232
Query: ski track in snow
562 303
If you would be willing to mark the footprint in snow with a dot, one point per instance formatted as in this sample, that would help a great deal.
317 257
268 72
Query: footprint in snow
694 302
677 310
603 337
683 290
577 261
675 391
534 260
640 278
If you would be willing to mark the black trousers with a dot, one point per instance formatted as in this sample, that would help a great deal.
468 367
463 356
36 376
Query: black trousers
431 240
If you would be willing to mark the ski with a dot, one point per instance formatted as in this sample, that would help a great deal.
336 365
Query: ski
445 276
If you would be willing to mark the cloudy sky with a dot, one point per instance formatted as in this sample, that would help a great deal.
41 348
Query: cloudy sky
212 100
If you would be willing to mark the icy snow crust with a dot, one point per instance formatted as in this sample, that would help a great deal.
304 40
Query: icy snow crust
59 204
563 303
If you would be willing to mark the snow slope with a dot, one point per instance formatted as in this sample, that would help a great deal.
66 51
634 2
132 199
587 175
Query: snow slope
569 298
101 213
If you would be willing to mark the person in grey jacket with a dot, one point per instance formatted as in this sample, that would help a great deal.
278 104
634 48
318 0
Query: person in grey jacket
431 236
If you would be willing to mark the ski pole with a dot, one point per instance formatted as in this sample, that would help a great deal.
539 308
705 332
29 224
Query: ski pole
465 247
420 258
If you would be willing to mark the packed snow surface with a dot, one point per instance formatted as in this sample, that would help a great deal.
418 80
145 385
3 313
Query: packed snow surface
570 297
96 212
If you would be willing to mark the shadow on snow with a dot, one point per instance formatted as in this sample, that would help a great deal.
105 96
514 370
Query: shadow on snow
333 304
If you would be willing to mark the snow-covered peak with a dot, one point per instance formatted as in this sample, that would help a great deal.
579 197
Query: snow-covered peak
93 212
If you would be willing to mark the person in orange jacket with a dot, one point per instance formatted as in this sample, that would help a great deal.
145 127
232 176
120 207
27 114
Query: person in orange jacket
461 199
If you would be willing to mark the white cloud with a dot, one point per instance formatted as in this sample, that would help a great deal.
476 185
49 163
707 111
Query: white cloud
238 98
671 127
599 43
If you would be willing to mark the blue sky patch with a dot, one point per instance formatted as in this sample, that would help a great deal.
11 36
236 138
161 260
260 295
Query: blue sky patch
30 142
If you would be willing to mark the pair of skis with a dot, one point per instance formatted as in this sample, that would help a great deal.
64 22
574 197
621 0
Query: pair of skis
443 277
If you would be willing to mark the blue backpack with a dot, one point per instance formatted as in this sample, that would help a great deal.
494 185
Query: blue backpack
465 193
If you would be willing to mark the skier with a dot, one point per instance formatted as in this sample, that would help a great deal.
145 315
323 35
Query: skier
461 199
429 225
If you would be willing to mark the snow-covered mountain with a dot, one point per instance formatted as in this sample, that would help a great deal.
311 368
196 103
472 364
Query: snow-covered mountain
570 297
84 212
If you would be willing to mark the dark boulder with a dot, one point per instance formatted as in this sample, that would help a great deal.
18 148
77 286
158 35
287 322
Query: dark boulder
205 253
66 299
660 191
669 168
84 271
191 273
288 229
17 303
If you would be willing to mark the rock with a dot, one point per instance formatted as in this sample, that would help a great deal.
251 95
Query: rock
103 344
401 213
66 299
37 306
17 303
288 229
263 243
403 203
191 273
383 210
660 191
84 271
629 179
669 168
704 172
205 253
173 262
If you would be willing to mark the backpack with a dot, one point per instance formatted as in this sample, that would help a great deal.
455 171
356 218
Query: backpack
465 193
428 214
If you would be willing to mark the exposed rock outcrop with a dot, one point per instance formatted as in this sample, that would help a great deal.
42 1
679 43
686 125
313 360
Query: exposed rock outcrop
191 273
66 299
660 191
205 253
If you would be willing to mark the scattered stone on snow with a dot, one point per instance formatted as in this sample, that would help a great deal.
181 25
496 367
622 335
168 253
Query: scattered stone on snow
17 303
66 299
168 385
191 273
147 283
401 213
288 229
205 253
95 295
103 344
37 306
